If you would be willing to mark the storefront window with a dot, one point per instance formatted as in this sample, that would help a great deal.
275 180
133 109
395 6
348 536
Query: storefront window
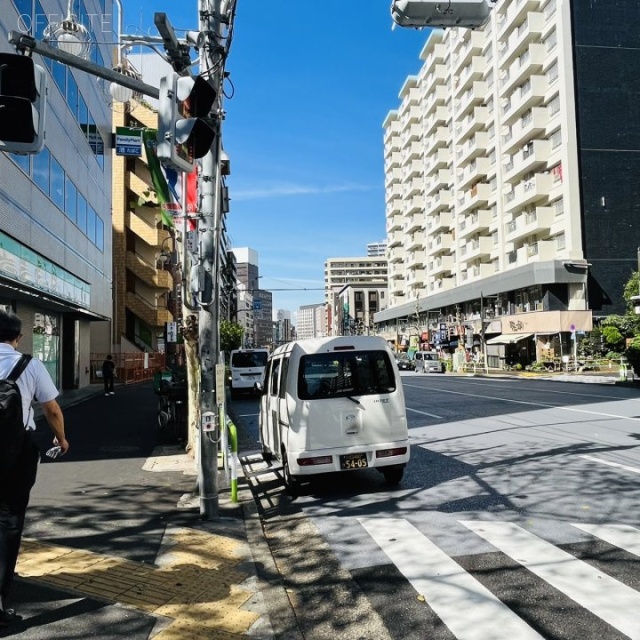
46 343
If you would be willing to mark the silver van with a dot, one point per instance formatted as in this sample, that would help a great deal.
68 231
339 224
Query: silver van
428 362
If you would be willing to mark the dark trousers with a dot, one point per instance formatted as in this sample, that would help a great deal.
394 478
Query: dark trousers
15 487
108 383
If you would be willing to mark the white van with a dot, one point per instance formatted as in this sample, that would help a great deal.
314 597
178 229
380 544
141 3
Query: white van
334 404
246 367
429 362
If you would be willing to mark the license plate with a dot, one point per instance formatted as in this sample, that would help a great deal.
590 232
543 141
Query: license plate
353 461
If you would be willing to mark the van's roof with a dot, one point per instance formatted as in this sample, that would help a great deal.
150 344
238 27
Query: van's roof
324 345
248 350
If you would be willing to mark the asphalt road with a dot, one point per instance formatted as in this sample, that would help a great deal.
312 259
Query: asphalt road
518 518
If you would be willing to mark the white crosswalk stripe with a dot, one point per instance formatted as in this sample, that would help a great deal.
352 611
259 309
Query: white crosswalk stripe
619 535
612 601
447 588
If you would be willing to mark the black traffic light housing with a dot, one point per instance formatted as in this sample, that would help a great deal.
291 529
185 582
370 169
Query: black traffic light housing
23 86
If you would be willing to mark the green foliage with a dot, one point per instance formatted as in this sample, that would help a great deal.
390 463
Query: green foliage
230 336
633 354
632 288
628 325
612 337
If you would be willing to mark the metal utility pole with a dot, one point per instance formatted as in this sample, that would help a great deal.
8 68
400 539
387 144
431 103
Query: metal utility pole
212 59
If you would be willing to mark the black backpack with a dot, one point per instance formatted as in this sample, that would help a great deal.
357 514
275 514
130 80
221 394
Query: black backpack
12 430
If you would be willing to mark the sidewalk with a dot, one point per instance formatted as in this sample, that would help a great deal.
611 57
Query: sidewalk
114 545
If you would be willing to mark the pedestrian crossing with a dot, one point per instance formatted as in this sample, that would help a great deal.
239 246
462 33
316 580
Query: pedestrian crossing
471 611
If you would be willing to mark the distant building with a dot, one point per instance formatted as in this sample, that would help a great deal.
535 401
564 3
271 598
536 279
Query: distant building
377 249
355 308
361 274
311 321
283 328
254 304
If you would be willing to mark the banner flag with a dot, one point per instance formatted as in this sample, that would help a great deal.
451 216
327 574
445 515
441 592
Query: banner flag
168 184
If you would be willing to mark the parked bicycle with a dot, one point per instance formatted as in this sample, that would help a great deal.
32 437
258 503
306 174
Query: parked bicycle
172 404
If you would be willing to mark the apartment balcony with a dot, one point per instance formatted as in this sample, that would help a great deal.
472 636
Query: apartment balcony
416 258
478 168
533 156
394 190
441 243
474 198
414 222
414 207
439 116
514 14
147 272
529 191
480 270
477 248
531 125
410 134
392 132
437 73
528 95
438 180
469 44
474 71
437 54
437 95
440 221
437 138
395 238
394 222
475 94
509 48
441 266
392 160
528 63
437 160
394 207
396 254
541 251
530 223
412 169
411 152
415 240
439 201
475 146
474 121
478 221
444 284
416 278
152 315
412 187
397 285
392 176
143 221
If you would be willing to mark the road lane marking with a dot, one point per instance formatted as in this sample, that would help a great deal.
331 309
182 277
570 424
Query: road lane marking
448 589
619 535
614 602
424 413
611 464
533 404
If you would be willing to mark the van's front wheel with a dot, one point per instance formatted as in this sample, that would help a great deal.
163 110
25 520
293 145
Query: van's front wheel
392 475
291 483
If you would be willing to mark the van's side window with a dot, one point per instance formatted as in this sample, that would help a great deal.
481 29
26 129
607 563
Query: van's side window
275 369
283 377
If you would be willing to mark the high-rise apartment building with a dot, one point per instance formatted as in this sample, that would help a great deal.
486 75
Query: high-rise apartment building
510 167
377 249
55 206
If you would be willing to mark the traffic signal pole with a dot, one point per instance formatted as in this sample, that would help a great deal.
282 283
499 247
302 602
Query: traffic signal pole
212 59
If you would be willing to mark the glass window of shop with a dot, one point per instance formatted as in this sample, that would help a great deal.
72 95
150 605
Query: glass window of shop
46 343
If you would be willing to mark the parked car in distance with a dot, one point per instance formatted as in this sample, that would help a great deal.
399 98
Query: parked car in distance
403 362
429 362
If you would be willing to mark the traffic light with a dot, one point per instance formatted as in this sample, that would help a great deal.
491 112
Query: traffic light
440 13
23 86
184 134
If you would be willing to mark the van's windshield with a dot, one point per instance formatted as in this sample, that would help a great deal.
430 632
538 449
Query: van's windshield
355 373
248 359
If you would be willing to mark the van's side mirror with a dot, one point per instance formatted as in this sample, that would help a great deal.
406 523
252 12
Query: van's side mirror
257 387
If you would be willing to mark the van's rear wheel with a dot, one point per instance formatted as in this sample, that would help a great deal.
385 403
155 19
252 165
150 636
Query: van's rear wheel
291 483
393 475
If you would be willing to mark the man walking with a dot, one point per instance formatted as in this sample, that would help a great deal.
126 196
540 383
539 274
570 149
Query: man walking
108 374
18 476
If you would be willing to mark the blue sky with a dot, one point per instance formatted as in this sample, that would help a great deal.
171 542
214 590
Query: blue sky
312 83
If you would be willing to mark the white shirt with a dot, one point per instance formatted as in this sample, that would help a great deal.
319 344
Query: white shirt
35 383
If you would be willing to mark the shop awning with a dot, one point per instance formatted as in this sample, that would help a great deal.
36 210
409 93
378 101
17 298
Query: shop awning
509 338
